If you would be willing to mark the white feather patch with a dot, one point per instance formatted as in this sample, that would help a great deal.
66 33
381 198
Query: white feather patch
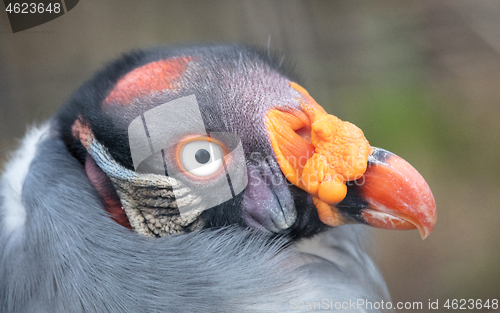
13 211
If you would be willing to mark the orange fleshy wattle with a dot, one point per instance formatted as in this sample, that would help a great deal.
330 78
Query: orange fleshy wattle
317 151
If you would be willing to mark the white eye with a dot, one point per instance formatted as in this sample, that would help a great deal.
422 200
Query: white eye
201 158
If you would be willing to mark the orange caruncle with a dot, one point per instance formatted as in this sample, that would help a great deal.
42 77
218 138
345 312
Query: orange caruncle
337 151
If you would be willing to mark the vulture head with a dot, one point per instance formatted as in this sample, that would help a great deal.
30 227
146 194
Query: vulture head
176 140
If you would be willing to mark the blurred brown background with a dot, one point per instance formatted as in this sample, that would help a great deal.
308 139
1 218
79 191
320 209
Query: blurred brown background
420 77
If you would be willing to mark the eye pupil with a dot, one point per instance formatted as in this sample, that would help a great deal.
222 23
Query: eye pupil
202 156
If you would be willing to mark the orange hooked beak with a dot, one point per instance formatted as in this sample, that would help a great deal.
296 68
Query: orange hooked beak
349 180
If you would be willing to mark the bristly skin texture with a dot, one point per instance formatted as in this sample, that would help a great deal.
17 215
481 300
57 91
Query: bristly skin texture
61 252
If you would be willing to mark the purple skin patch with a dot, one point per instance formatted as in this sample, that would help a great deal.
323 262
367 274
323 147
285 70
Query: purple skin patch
268 203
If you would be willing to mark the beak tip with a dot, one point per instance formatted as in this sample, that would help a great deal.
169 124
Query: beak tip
427 225
398 196
426 230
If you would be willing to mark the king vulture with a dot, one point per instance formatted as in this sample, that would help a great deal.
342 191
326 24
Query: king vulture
199 179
